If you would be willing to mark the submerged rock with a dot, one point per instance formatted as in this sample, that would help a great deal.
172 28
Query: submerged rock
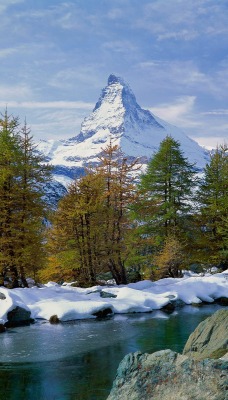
223 301
210 338
166 375
2 328
103 313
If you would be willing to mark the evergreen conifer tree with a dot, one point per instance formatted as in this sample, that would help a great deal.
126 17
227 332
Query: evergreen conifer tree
167 185
212 242
166 194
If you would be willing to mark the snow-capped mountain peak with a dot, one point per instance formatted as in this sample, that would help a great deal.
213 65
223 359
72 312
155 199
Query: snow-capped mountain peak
119 117
116 113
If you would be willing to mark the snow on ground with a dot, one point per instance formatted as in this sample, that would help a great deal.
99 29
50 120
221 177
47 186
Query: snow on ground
70 303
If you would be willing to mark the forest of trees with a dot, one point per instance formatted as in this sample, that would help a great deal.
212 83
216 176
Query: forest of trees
115 221
22 208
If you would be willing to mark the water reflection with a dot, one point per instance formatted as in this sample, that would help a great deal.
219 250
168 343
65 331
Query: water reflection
79 361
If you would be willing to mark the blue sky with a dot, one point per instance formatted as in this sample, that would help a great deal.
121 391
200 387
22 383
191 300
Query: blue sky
56 56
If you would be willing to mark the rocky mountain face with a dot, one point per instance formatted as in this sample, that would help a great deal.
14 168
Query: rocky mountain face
118 117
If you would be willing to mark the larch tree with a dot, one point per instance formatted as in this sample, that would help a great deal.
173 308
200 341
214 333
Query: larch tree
34 174
75 238
90 228
9 189
120 193
21 205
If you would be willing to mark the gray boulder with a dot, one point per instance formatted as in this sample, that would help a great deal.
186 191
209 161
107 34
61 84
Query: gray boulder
107 294
210 338
18 316
166 375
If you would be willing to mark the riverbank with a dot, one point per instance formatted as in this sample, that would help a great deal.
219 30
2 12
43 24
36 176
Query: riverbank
68 303
79 359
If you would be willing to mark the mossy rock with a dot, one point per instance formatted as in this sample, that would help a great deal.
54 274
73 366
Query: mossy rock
218 353
209 339
54 319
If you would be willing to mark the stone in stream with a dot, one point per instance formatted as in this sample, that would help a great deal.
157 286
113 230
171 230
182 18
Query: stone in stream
18 316
166 375
54 319
103 313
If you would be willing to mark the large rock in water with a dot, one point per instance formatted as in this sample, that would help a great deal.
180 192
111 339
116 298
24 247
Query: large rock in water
210 338
166 375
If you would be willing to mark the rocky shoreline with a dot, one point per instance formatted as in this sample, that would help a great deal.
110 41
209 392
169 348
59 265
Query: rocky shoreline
200 373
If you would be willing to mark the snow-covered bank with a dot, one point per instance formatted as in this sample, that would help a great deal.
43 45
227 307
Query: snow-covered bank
70 303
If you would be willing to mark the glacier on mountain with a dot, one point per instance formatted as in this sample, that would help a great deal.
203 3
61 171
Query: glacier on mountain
117 117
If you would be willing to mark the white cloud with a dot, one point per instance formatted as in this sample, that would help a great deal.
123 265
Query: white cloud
120 46
183 20
182 34
17 92
4 4
178 113
51 124
115 13
8 51
149 64
207 128
223 111
49 104
68 78
210 142
185 76
73 17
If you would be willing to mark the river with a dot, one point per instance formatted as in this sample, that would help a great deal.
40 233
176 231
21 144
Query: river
78 361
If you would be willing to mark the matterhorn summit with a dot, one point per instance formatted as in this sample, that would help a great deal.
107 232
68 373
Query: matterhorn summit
118 117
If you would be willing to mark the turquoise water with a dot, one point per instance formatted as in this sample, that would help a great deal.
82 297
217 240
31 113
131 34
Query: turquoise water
78 361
